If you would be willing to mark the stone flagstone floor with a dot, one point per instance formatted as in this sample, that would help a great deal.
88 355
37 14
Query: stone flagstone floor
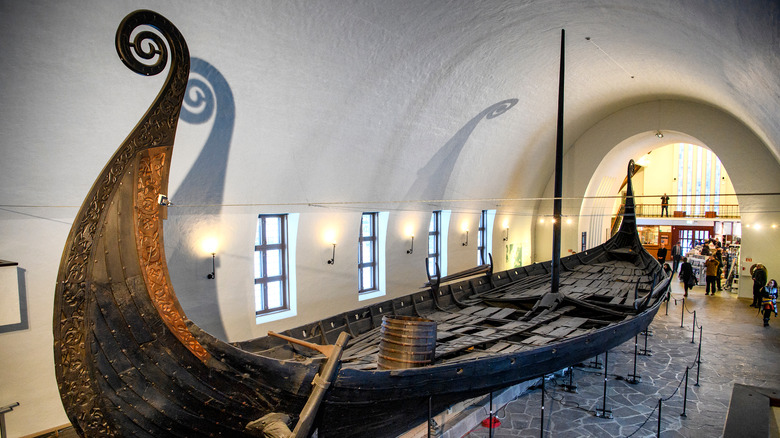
735 348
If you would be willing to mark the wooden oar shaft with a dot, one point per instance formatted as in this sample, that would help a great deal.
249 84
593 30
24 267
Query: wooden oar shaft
321 384
324 349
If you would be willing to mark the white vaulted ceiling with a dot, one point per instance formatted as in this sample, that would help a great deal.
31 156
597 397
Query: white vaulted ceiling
383 100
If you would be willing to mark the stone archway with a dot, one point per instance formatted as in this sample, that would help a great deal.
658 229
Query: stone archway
604 150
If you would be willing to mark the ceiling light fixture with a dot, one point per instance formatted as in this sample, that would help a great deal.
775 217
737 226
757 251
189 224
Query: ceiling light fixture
659 134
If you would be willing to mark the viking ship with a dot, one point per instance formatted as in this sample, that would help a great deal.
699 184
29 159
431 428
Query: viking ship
130 363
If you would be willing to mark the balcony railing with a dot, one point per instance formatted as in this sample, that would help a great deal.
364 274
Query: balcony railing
723 211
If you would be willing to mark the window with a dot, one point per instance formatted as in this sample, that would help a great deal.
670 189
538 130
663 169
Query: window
483 239
434 245
271 270
368 253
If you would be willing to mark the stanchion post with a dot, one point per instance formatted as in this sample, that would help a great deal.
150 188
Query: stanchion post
430 415
693 329
698 360
541 428
682 317
604 412
595 363
668 298
658 434
634 378
685 393
646 351
490 423
571 387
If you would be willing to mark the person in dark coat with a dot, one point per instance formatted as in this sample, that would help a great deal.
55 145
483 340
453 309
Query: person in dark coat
719 257
769 300
665 205
759 274
676 255
686 274
662 254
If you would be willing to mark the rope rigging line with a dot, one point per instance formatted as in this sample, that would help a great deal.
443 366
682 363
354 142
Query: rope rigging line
411 201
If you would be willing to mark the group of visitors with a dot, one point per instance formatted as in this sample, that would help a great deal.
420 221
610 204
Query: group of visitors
764 292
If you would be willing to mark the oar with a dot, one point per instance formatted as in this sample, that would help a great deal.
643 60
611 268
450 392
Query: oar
324 349
321 383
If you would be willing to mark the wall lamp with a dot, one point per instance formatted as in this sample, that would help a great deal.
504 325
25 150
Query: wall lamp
659 134
506 234
333 257
411 249
210 246
466 243
213 274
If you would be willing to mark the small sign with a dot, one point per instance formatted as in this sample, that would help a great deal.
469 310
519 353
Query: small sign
748 259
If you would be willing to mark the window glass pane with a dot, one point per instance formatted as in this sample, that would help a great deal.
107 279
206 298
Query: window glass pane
365 225
367 278
432 266
680 175
273 262
274 294
270 260
707 180
432 226
689 183
431 244
366 253
272 230
259 302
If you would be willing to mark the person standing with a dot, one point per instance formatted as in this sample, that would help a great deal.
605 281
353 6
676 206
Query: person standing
686 275
676 255
711 266
769 300
665 205
661 254
719 257
759 275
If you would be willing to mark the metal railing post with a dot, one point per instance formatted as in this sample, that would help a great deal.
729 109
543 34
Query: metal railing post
541 428
604 412
634 378
685 394
698 359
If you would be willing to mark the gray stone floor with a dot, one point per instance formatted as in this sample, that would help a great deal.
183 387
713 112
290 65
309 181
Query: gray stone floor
736 348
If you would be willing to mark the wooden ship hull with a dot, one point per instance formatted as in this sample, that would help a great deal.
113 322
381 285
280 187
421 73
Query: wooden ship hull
129 362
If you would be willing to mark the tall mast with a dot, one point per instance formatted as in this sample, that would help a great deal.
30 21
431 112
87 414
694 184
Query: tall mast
556 251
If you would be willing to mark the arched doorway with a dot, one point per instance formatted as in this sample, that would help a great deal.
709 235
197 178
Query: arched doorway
602 152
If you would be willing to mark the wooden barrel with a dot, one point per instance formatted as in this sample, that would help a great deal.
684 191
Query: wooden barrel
406 342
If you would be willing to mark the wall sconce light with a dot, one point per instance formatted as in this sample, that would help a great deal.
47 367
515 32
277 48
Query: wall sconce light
210 246
506 234
466 243
659 134
213 274
411 249
333 257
